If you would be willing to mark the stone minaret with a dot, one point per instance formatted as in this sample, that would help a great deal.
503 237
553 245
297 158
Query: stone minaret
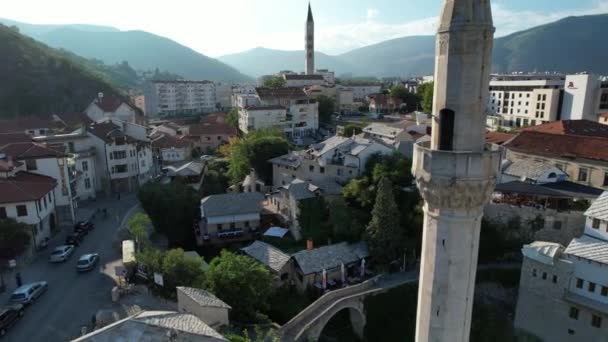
455 173
310 43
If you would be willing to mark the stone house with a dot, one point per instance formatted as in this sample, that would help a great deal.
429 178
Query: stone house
204 305
563 293
211 132
109 106
308 264
230 215
336 159
170 149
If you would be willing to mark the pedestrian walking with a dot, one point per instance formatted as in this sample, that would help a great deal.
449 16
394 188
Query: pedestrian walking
18 279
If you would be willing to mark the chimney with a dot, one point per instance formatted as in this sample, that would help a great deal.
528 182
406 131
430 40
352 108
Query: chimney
309 245
99 97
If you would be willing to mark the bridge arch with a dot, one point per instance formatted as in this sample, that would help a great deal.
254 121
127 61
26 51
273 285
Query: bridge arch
356 313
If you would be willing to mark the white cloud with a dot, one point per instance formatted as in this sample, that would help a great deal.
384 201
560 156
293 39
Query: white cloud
372 14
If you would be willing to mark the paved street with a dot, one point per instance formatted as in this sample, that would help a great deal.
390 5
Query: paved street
72 298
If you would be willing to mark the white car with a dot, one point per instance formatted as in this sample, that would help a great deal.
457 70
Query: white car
61 253
28 293
87 262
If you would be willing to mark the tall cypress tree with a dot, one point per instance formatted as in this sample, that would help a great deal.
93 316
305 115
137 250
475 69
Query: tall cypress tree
383 234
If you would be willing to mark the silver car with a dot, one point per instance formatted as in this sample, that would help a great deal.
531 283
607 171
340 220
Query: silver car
61 253
87 262
28 293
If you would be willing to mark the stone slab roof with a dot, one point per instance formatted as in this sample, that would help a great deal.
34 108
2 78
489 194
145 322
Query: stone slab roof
203 298
154 326
329 257
599 208
267 254
231 204
531 169
383 129
589 248
541 251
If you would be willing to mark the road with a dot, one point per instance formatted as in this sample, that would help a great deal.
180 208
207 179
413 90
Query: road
72 298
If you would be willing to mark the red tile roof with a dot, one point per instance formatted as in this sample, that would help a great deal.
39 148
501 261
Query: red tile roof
25 187
604 115
30 150
24 124
110 103
212 129
560 145
168 141
107 130
571 127
74 120
9 138
218 117
498 138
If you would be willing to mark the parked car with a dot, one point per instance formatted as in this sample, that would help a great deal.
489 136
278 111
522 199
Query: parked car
28 293
87 262
9 316
84 226
75 238
61 253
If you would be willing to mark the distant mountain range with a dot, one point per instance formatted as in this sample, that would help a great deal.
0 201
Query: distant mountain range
572 44
40 81
142 50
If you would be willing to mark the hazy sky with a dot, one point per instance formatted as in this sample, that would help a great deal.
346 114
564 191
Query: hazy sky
218 27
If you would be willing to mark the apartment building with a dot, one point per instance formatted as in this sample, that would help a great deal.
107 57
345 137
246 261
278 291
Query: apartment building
291 109
361 92
521 100
563 293
302 80
180 97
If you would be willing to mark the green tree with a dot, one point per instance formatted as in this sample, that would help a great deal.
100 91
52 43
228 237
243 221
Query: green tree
326 108
14 238
352 129
398 91
138 227
274 82
172 208
258 336
232 118
242 282
254 151
345 221
425 91
312 219
383 234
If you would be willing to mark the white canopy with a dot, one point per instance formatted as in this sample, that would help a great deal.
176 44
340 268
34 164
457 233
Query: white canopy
276 232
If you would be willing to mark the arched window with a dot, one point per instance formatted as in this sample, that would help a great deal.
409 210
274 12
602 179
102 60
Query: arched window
552 175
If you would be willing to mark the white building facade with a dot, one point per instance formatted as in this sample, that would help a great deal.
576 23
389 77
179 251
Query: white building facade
180 97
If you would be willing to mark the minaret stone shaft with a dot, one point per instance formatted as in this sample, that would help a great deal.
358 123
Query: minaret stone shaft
455 173
310 43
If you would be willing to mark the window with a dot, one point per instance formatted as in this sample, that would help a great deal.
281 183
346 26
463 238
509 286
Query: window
604 291
573 312
71 147
21 210
87 183
544 97
339 172
605 179
544 275
85 165
554 279
120 155
219 138
322 169
219 226
570 332
591 287
311 168
579 283
2 213
534 272
557 225
596 321
30 164
595 224
583 174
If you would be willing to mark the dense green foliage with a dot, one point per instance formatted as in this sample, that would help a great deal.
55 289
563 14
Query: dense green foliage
258 335
383 235
500 240
274 82
173 208
352 129
313 219
216 178
14 238
411 101
242 282
138 228
176 268
232 118
326 108
254 151
143 51
38 80
425 91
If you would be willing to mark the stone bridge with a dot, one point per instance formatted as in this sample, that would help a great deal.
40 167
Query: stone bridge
309 323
